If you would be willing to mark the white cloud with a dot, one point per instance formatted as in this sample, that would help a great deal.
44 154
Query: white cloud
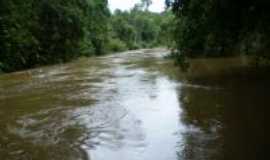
157 6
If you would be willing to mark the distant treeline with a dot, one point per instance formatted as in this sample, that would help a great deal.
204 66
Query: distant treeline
41 32
221 27
139 28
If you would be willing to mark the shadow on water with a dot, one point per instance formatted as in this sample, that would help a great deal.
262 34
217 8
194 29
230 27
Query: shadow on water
135 106
227 116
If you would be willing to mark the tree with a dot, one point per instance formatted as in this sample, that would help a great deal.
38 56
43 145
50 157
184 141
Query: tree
41 32
219 28
138 28
34 32
146 3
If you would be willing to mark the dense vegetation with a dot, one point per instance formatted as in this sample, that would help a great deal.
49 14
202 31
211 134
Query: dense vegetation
139 28
40 32
221 27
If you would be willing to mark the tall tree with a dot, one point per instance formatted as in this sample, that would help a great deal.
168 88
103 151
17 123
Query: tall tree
146 3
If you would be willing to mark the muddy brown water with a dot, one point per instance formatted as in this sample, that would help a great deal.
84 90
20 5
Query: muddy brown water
135 106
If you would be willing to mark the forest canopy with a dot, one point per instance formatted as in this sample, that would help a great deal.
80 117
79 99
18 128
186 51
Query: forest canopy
221 27
41 32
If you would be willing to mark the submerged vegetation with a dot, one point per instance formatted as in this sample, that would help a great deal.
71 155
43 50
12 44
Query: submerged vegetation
40 32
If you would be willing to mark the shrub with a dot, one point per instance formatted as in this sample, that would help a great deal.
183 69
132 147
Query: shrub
116 45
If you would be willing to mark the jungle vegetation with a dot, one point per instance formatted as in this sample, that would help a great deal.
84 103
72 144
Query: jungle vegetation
217 28
41 32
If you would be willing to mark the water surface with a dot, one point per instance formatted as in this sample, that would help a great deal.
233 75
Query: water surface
136 106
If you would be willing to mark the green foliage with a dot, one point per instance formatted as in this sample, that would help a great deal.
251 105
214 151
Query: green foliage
167 28
41 32
140 28
60 30
116 45
52 31
221 27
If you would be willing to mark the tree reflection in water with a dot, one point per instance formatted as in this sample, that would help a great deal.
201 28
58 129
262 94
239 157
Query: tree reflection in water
225 122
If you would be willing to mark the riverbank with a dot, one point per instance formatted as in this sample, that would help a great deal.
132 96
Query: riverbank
74 59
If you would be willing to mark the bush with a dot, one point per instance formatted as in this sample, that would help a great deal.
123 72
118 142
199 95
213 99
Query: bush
116 45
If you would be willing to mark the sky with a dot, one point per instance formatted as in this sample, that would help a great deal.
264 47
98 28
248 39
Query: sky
157 6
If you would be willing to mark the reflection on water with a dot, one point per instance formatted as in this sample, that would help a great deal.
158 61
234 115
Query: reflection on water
134 106
228 121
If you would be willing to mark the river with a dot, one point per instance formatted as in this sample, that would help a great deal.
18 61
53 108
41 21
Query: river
134 105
